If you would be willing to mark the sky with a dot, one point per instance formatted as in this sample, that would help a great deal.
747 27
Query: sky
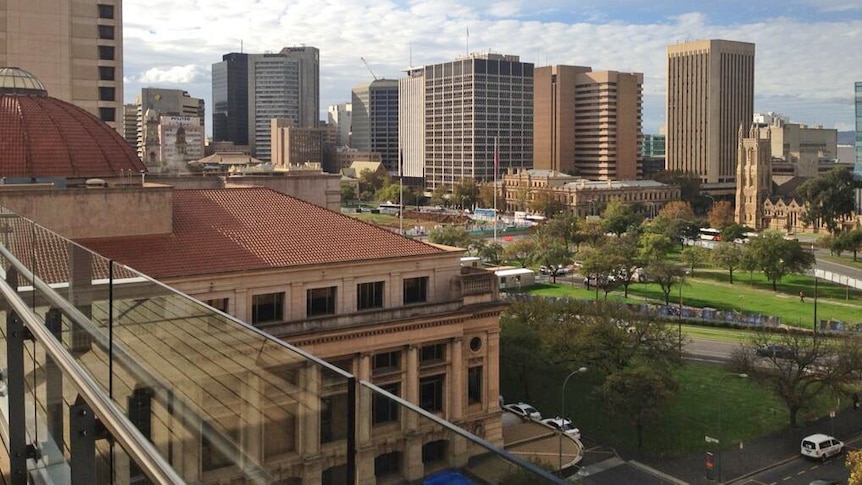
808 52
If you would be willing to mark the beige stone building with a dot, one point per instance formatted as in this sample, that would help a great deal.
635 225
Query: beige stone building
74 47
395 312
587 123
710 94
798 150
294 145
584 197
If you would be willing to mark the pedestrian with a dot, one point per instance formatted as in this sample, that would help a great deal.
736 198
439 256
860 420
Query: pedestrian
802 296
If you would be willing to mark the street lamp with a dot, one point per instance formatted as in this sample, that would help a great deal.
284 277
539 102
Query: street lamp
720 401
563 412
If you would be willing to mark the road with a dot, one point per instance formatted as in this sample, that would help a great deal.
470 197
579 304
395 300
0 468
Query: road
712 351
800 471
847 270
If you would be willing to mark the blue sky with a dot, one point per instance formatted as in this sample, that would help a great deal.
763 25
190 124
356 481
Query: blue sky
809 52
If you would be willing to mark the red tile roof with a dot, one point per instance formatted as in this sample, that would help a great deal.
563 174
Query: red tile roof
227 230
46 137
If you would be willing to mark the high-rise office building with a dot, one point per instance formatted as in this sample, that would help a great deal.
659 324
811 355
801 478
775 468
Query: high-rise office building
375 120
340 117
74 48
587 123
858 169
461 108
710 94
249 90
130 124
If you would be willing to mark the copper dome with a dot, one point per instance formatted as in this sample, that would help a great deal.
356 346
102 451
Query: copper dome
43 137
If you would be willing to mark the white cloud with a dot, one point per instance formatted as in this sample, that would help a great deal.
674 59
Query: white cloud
797 59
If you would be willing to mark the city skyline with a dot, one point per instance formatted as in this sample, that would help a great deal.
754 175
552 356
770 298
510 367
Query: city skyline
806 67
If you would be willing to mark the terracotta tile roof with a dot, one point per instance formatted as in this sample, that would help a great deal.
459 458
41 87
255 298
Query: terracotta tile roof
227 230
46 137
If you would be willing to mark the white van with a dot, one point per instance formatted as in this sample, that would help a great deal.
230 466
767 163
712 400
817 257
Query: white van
821 446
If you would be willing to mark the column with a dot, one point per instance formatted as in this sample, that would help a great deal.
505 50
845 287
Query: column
457 391
365 448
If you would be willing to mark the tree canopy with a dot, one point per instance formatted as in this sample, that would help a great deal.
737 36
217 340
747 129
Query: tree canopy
829 198
777 257
620 217
721 214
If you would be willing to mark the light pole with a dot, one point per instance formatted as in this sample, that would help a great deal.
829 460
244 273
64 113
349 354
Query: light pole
720 401
563 413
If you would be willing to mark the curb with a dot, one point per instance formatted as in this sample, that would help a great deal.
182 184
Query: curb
657 473
761 470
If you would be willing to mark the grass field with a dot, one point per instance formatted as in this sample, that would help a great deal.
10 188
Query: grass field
748 294
749 409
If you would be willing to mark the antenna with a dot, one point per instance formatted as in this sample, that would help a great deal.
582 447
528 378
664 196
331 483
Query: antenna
368 67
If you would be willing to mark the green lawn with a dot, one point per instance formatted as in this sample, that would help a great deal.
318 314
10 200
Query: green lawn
748 294
749 409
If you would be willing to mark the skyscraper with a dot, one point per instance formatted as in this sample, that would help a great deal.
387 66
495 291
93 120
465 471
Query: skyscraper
375 120
340 116
587 123
710 94
249 90
462 107
74 48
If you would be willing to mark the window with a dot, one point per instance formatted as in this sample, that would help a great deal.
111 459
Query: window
333 418
268 307
106 53
108 114
386 362
320 301
107 94
106 11
106 32
415 290
106 73
431 393
434 451
432 354
387 464
220 304
474 385
383 409
280 433
369 295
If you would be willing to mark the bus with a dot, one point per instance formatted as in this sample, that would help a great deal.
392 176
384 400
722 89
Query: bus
709 234
389 208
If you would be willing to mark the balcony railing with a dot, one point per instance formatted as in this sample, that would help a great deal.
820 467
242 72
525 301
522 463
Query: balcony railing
114 377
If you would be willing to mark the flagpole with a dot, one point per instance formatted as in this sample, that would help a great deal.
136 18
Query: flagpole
401 192
496 166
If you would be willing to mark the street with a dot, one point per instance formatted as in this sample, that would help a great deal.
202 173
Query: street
801 471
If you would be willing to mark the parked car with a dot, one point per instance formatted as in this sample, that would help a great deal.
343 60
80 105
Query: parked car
565 425
821 446
775 351
524 410
821 481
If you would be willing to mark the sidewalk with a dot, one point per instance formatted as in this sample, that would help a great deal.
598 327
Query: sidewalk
757 454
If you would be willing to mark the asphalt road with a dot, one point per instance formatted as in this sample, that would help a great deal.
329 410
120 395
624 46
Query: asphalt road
847 270
712 351
801 471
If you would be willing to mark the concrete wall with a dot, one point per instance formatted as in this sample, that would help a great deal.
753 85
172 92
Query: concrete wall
97 212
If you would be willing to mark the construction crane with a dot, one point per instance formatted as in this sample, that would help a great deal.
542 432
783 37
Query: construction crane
368 67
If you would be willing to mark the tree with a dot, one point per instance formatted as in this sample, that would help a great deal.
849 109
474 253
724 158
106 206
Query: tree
694 256
829 198
654 247
732 232
492 253
624 251
847 241
721 214
521 251
853 462
689 185
390 193
348 193
552 254
675 229
486 196
370 181
521 343
666 274
438 196
807 368
727 255
619 217
638 394
677 209
450 235
776 256
464 193
546 203
564 227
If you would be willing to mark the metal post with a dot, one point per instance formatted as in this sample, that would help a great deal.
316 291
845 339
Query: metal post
15 386
563 412
82 443
815 303
54 382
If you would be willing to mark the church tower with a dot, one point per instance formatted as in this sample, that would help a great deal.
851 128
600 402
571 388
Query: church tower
753 177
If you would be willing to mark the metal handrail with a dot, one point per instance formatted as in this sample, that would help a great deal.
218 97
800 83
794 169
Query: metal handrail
145 455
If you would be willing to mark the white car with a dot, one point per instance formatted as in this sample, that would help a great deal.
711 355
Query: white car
524 410
565 425
821 446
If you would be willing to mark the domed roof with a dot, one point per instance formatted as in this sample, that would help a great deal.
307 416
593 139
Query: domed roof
42 136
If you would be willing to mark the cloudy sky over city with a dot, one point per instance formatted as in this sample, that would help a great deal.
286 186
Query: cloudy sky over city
809 52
